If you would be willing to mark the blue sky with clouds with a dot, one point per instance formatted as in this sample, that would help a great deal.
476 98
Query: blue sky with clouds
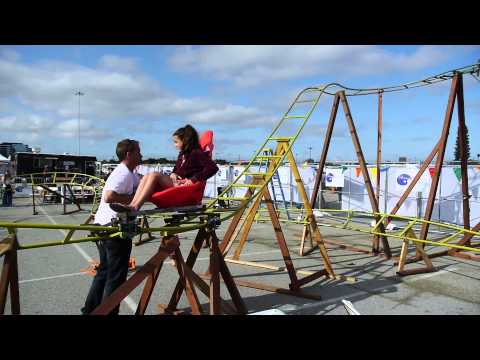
240 92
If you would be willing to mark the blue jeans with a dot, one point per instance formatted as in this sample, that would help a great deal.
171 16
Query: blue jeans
7 198
111 273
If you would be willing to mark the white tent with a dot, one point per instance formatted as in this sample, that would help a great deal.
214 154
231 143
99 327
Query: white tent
4 164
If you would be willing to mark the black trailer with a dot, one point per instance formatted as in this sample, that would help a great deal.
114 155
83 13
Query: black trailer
28 163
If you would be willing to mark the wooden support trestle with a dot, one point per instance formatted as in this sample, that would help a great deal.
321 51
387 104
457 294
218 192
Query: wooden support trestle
420 253
188 281
242 229
9 276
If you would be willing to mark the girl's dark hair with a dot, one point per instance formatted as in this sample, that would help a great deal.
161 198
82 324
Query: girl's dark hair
189 137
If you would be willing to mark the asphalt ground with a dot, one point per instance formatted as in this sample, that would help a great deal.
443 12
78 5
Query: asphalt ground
51 281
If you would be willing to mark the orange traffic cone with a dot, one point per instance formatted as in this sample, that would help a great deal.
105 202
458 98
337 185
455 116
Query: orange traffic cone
132 264
92 270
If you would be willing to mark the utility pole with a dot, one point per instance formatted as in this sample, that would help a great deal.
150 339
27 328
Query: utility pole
79 93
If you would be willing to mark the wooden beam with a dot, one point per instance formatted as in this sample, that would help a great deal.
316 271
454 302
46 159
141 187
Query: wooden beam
149 286
376 241
462 132
363 165
280 237
440 157
131 284
192 257
414 181
247 224
326 145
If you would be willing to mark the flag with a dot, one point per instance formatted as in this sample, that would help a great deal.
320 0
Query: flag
477 167
458 173
431 170
358 171
373 173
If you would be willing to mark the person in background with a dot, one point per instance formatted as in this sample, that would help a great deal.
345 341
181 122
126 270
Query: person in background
7 199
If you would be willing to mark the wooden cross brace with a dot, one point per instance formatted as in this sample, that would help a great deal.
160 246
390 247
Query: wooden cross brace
188 279
9 276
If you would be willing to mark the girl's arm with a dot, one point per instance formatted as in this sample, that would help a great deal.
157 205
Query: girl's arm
174 175
209 166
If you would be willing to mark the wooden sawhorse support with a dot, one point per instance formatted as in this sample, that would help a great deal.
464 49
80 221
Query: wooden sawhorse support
295 283
9 276
420 254
217 268
187 279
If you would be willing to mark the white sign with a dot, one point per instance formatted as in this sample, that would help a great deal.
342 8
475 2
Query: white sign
334 178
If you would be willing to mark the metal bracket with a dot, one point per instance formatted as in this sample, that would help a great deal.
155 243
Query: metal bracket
214 221
128 224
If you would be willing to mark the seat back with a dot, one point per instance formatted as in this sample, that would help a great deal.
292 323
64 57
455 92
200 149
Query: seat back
206 142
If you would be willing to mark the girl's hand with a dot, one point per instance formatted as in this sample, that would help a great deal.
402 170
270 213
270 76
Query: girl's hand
188 182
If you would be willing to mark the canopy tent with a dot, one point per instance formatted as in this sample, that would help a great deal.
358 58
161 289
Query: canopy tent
4 164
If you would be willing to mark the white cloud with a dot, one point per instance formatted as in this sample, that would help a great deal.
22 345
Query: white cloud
69 129
36 127
251 65
28 124
116 63
246 116
38 105
114 91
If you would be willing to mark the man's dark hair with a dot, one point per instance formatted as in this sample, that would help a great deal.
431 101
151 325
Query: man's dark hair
124 146
189 137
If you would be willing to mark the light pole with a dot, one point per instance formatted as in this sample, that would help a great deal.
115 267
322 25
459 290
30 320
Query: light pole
79 93
310 148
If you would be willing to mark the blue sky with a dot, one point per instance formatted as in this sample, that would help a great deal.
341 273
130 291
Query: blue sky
239 92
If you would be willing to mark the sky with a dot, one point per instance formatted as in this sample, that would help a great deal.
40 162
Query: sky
239 91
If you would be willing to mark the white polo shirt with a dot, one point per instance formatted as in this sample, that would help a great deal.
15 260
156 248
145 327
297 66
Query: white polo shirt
123 182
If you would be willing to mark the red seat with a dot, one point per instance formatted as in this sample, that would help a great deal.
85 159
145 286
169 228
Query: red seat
185 195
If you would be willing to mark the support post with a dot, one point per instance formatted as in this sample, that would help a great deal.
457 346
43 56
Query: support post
366 176
376 239
321 165
9 276
463 153
441 154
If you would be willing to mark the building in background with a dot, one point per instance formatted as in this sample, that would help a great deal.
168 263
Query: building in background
8 148
29 162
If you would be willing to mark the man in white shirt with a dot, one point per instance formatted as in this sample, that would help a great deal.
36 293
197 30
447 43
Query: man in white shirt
120 187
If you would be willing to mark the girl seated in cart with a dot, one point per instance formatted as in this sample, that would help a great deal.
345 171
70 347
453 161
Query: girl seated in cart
186 183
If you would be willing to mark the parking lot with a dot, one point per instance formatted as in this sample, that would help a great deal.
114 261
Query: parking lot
51 280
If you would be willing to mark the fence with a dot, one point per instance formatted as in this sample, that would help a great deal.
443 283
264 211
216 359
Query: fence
343 187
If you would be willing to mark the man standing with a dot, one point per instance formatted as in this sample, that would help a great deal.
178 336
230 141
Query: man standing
120 187
7 189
